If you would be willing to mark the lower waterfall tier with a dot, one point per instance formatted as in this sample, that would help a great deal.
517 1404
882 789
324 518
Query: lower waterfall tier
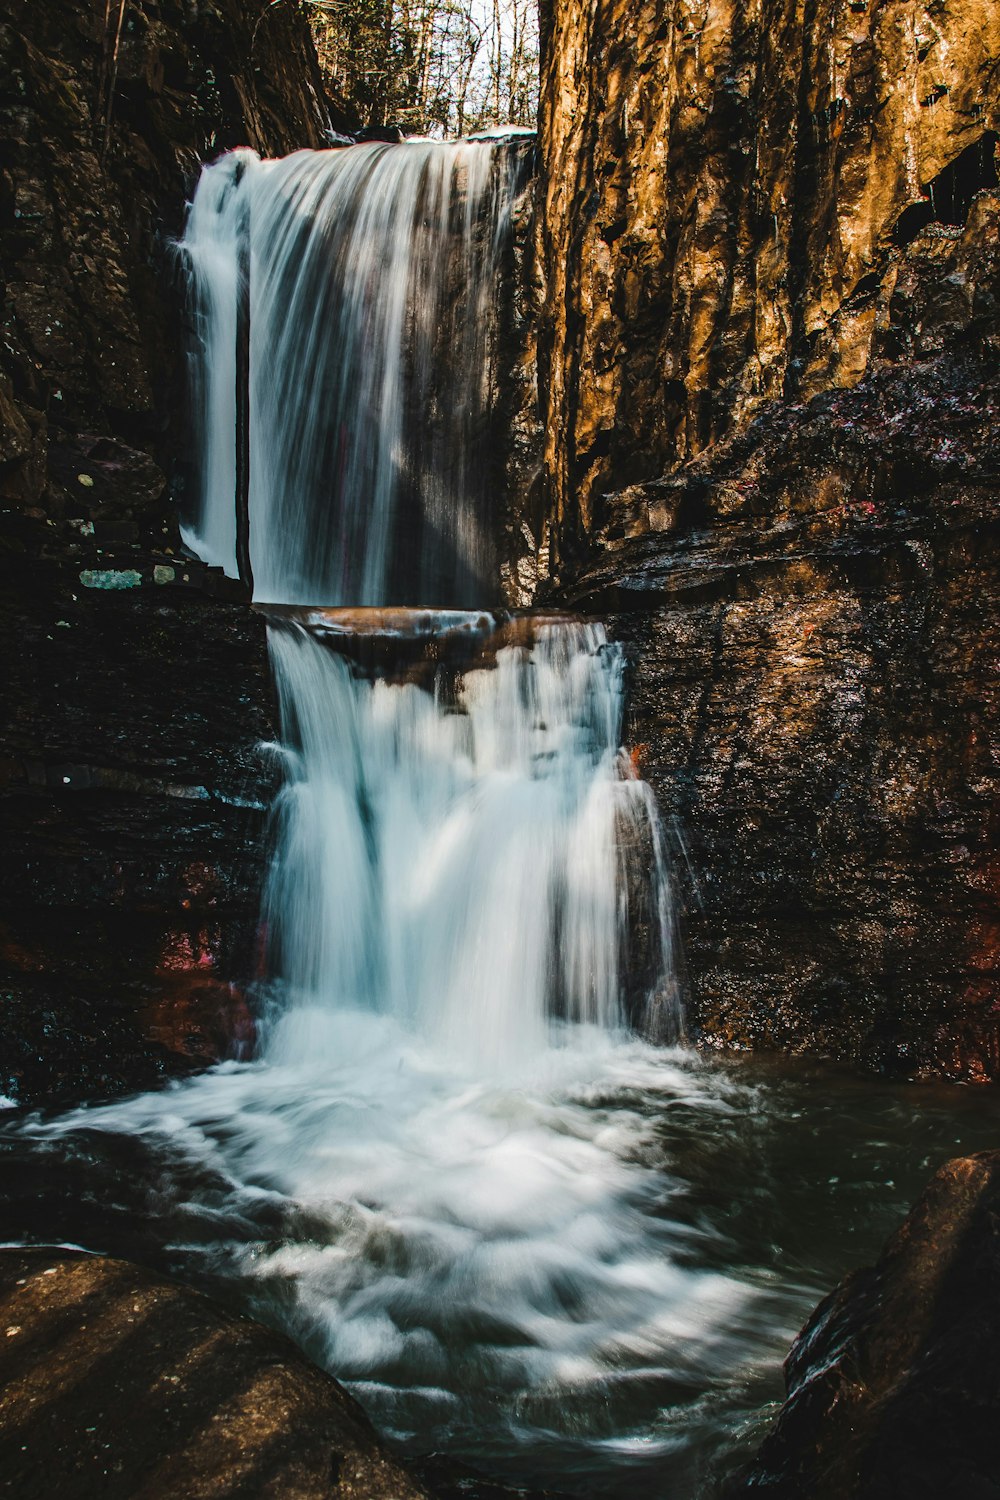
473 856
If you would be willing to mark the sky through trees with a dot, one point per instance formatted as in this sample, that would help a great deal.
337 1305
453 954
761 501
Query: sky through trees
433 67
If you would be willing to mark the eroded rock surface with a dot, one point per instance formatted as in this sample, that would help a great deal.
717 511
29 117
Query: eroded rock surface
726 191
894 1384
132 816
118 1382
100 150
810 609
769 256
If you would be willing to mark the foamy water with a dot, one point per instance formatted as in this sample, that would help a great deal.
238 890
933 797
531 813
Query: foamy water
582 1269
491 1262
472 862
446 1171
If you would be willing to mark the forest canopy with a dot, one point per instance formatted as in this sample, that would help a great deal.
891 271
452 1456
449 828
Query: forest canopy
432 67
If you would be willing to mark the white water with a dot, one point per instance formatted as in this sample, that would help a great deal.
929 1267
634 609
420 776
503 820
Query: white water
493 1260
448 1171
372 284
462 866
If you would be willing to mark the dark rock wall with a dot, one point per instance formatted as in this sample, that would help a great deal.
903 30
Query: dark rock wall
746 297
131 798
93 185
521 481
810 609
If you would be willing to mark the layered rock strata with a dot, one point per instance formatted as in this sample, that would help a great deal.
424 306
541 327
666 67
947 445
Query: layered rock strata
103 131
810 610
727 189
768 257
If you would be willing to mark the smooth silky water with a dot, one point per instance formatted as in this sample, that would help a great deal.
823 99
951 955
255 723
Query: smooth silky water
581 1273
458 1170
366 278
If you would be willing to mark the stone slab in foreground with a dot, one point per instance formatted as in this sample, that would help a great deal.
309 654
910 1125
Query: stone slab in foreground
117 1382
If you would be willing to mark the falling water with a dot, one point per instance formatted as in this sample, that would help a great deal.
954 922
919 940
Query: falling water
451 1169
343 306
462 861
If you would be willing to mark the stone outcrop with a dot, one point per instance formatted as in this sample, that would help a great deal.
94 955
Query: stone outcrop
810 609
727 188
894 1384
119 1382
769 255
102 141
130 793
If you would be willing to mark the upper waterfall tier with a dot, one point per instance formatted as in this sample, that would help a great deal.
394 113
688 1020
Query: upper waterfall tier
343 305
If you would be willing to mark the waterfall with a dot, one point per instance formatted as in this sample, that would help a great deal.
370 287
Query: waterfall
439 1170
452 1169
460 858
342 371
471 855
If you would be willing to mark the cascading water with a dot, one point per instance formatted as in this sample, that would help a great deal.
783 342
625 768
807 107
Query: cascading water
453 1169
448 1169
461 865
343 308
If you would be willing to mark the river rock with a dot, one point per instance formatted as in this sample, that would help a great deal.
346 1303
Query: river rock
894 1384
119 1382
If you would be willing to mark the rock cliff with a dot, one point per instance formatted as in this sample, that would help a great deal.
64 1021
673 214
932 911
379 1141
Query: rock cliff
728 192
768 258
103 132
130 791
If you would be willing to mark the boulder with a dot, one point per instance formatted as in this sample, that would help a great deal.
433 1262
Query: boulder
120 1383
894 1383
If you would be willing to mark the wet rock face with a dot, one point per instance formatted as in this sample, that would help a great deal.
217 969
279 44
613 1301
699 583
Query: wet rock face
894 1384
120 1382
131 793
810 612
770 263
727 192
132 811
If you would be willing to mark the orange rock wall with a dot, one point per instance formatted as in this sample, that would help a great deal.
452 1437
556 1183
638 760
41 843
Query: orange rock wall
722 184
